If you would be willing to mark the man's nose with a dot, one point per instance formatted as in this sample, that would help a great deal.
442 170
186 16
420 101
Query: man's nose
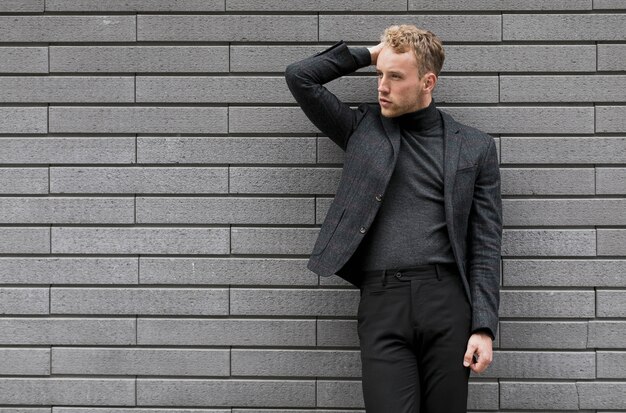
382 86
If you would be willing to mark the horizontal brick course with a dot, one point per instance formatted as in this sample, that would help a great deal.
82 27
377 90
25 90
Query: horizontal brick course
136 119
98 240
227 28
140 361
226 332
227 210
58 28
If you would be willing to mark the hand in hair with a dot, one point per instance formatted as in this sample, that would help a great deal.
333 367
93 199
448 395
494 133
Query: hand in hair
375 50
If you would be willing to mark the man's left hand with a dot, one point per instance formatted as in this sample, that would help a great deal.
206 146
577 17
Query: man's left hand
481 345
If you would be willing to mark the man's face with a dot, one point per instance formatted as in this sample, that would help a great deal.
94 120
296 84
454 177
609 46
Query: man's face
400 89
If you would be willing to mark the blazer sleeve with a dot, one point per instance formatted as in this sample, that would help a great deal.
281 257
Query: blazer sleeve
306 78
484 243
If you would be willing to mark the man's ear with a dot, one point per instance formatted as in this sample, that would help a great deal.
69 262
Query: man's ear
430 81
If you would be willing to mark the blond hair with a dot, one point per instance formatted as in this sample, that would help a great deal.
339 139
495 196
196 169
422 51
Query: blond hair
425 45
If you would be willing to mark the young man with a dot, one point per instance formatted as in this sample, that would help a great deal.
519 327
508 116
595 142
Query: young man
416 223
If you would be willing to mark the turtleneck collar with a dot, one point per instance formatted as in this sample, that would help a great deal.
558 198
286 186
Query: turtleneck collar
421 120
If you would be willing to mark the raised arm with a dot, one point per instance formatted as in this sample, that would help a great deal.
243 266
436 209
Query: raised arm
306 79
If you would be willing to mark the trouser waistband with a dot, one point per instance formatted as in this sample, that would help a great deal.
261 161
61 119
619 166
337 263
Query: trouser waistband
406 273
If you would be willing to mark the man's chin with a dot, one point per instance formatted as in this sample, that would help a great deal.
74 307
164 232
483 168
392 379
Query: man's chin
387 113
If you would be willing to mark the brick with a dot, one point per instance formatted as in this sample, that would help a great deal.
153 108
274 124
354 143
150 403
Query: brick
611 119
229 210
268 120
296 363
227 28
235 89
135 5
564 273
519 58
316 5
554 304
526 119
578 150
23 180
58 28
611 181
424 5
136 119
232 271
62 150
548 181
322 205
562 212
202 392
231 150
602 395
264 58
579 27
611 242
542 365
562 88
272 240
67 330
609 4
23 6
611 364
611 303
144 59
294 302
132 180
120 240
543 335
565 242
24 300
225 332
70 89
483 395
23 59
152 301
68 270
606 334
67 391
26 410
140 361
67 210
23 240
62 409
288 180
25 361
536 395
611 57
337 333
450 28
32 119
339 393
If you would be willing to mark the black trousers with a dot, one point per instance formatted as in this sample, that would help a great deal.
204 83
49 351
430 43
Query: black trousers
413 327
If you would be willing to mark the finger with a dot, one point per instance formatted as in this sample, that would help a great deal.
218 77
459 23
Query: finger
469 353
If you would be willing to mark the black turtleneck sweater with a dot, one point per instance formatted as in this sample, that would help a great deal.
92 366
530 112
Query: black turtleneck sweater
410 226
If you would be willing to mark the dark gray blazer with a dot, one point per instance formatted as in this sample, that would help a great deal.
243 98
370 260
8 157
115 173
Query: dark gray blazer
473 205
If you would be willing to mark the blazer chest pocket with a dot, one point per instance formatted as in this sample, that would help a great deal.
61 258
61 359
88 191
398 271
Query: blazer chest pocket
331 222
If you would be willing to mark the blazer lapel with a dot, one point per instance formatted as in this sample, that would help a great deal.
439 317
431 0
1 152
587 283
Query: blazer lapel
392 131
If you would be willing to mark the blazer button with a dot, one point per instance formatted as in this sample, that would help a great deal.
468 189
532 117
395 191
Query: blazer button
379 197
362 230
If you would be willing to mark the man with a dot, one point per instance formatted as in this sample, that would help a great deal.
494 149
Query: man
416 223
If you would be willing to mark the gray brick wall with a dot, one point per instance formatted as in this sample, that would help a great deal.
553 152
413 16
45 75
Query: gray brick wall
160 192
